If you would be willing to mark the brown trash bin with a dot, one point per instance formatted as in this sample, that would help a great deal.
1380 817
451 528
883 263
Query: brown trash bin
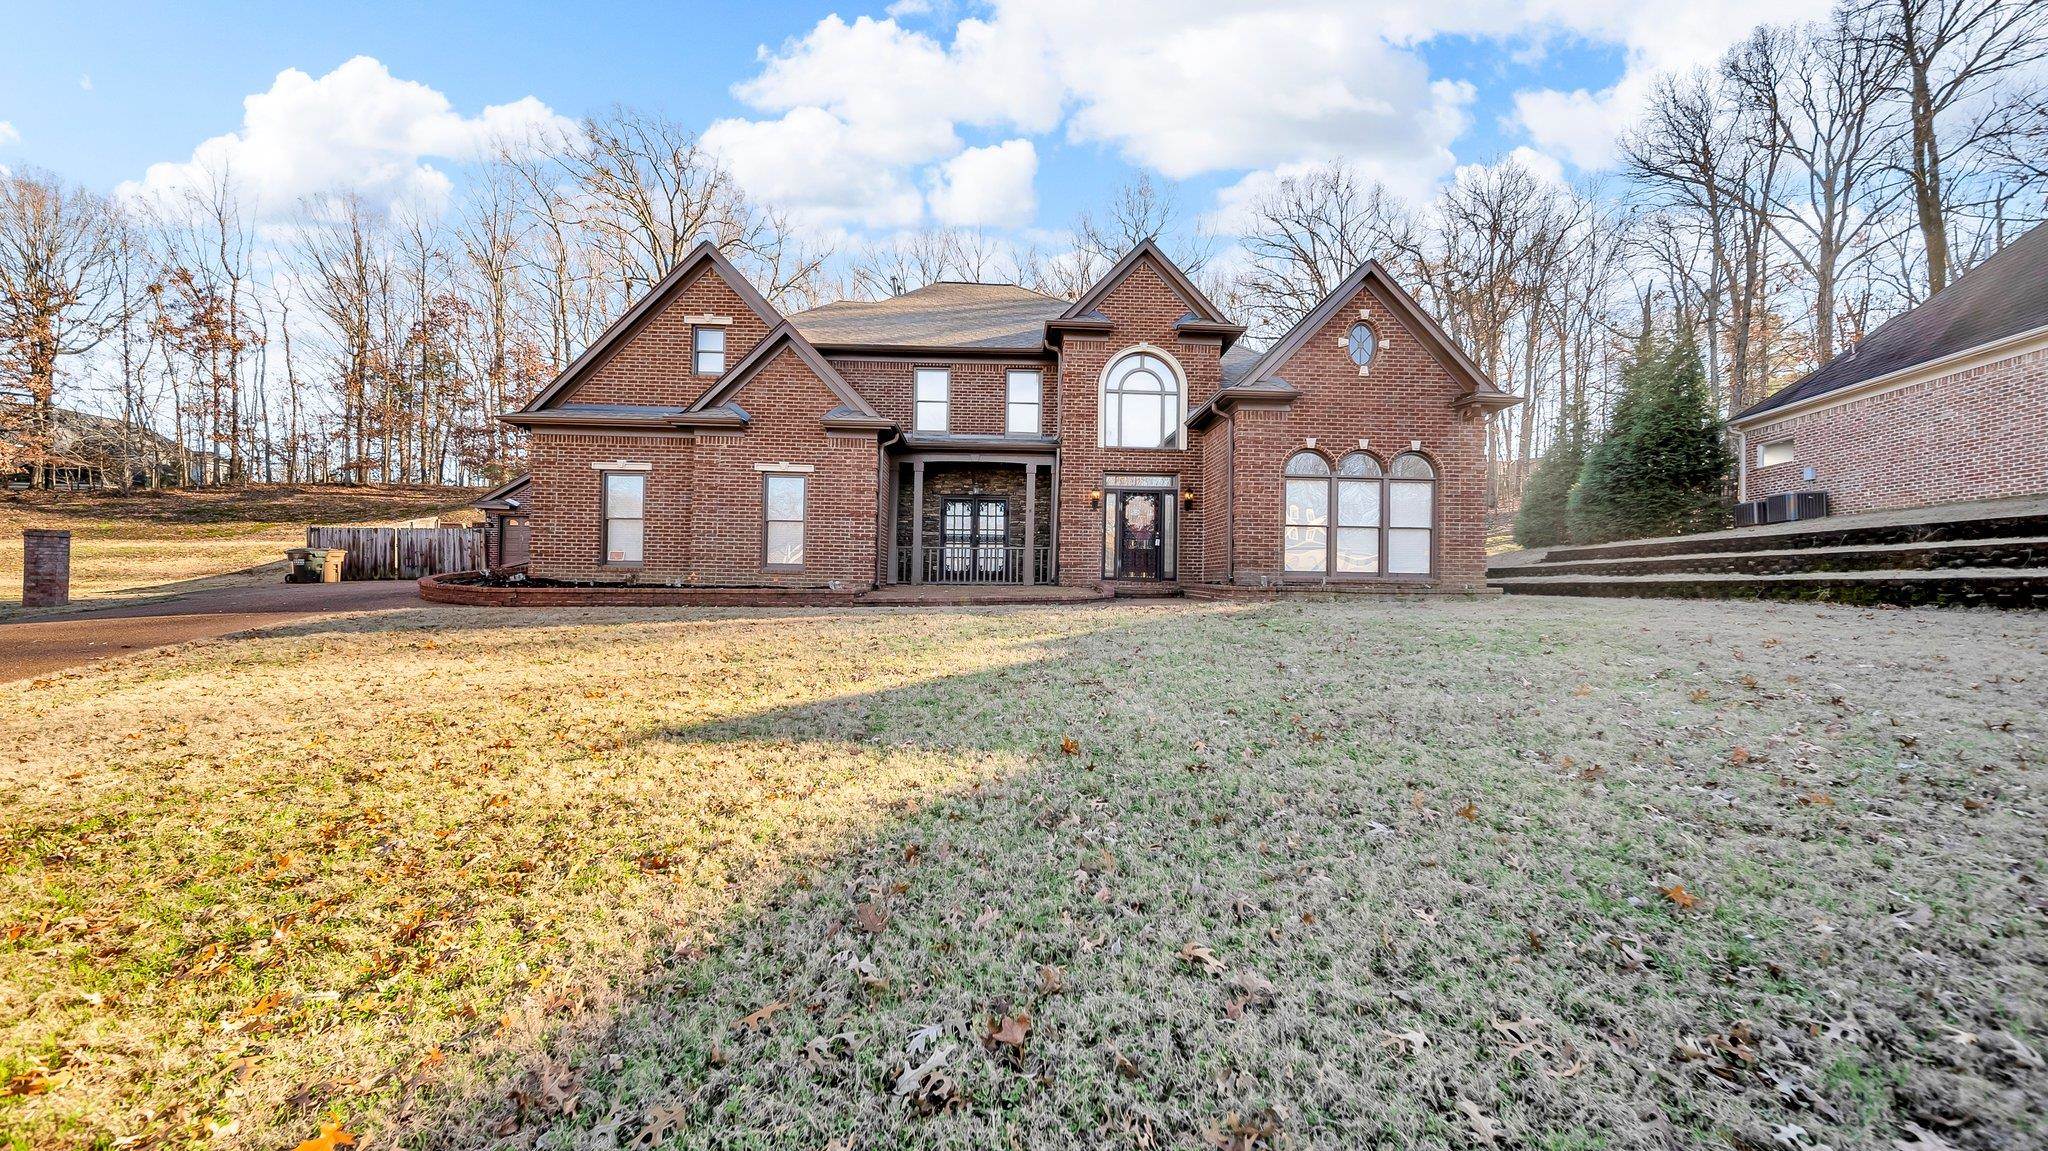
330 564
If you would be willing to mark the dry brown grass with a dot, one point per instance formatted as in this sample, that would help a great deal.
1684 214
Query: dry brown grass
138 544
1568 874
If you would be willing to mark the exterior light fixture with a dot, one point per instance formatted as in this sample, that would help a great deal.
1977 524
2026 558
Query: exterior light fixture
1187 499
1095 497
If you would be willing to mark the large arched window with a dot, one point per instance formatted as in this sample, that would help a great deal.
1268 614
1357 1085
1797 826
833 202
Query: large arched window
1141 403
1306 548
1357 545
1411 514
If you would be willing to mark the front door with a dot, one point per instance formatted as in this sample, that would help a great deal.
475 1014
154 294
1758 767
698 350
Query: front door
973 531
1140 535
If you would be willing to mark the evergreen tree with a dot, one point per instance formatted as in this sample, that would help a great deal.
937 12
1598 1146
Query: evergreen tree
1541 521
1662 468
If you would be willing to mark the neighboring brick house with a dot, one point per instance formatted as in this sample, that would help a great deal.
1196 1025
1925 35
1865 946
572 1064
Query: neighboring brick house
983 433
1946 402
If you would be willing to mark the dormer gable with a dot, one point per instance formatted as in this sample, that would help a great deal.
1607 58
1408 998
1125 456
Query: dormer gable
1202 317
645 358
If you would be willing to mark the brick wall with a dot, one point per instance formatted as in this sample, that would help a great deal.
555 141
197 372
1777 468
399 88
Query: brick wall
1143 309
653 364
704 496
979 389
564 503
1977 434
786 402
1407 397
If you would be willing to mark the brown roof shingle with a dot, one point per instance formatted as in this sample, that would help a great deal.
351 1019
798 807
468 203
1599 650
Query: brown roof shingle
2003 296
946 314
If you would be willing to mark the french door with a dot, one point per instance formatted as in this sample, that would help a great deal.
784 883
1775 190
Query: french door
972 535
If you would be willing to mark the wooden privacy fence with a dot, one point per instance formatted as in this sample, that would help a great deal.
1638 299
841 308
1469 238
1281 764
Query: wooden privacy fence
401 553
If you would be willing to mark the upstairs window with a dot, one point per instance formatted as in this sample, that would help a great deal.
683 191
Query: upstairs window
1775 452
934 400
1361 344
625 512
1141 403
708 344
1022 404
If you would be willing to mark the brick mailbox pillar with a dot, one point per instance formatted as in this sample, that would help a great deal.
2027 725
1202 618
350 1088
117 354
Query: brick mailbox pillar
45 568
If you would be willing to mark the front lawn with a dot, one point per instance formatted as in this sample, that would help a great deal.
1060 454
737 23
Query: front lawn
1522 873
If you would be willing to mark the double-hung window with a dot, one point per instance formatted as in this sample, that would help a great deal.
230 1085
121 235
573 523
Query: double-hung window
934 389
708 350
1022 404
782 498
625 516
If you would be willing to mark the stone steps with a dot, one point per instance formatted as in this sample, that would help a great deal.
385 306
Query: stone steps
2027 552
1990 553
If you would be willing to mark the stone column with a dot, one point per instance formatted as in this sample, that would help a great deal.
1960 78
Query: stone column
45 568
917 521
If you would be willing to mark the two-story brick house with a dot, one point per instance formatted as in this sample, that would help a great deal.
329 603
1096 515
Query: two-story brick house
987 434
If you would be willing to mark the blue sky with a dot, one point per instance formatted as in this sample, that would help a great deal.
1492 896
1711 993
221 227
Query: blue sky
1012 120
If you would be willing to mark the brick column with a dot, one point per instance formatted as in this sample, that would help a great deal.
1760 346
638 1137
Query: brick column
45 568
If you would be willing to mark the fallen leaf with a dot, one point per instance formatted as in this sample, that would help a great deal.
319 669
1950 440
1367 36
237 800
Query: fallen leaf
332 1135
1679 896
1051 980
1469 812
1482 1127
757 1020
1068 745
1738 756
1200 955
870 918
1007 1031
1415 1039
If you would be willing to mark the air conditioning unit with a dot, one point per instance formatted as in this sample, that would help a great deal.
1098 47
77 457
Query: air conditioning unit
1749 513
1792 506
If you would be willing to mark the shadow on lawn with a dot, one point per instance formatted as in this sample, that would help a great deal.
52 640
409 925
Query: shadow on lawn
1127 800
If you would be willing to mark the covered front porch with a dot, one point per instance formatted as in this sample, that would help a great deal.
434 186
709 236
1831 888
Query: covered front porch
982 516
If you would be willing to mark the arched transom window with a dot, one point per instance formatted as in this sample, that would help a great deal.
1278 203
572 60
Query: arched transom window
1358 520
1141 403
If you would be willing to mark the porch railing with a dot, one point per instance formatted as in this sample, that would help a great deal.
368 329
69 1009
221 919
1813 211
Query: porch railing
976 563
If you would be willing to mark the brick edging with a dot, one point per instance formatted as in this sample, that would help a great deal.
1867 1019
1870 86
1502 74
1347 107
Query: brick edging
440 589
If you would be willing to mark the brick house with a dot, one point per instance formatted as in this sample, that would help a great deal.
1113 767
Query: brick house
986 434
1946 402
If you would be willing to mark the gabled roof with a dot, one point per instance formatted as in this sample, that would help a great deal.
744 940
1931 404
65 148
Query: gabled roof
1200 306
504 497
1479 389
2003 297
947 314
852 411
703 255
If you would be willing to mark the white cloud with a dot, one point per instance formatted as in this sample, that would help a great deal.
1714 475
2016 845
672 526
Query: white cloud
1658 36
8 134
85 81
817 165
357 128
987 187
903 8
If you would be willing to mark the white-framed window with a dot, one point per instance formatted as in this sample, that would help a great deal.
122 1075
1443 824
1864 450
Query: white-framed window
1023 401
1306 547
1141 403
1358 515
625 516
934 400
1775 452
708 350
1411 514
1361 343
782 536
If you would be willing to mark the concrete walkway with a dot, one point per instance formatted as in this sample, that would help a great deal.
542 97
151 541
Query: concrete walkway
42 645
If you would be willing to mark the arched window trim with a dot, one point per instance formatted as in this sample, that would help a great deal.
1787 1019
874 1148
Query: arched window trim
1382 480
1174 439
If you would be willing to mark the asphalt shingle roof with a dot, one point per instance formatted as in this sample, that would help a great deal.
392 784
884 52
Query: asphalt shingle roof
2003 296
946 314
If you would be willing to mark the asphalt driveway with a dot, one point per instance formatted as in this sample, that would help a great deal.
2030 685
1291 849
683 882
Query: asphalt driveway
52 643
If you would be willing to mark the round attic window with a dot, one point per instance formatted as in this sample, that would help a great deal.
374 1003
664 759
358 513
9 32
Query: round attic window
1361 343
